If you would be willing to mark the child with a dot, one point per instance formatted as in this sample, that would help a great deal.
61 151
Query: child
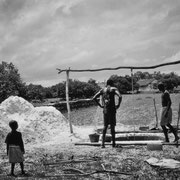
15 147
109 108
166 113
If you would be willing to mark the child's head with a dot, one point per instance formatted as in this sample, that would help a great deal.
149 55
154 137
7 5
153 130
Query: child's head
161 87
13 125
110 82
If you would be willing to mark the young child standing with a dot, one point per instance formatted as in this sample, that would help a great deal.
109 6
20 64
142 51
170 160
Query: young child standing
15 147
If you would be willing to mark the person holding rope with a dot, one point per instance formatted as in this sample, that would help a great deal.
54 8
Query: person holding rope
109 108
166 113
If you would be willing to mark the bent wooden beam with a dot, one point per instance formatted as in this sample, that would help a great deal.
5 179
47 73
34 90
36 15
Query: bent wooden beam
120 67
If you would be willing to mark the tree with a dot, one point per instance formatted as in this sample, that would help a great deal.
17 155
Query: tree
35 92
124 84
10 81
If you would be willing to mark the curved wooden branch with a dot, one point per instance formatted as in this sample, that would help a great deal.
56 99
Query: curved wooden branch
120 67
95 172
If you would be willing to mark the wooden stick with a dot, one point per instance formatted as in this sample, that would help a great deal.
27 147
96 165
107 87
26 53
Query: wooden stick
68 161
105 170
178 124
121 67
67 100
98 171
155 112
84 174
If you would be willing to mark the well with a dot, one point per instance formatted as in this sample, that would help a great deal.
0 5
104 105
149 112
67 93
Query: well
139 137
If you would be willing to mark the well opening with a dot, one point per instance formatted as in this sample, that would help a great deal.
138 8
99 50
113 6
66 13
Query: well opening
138 137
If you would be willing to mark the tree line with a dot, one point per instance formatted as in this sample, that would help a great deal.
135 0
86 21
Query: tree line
11 83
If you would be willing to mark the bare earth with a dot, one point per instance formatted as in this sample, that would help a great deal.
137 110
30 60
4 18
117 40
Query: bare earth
51 152
61 159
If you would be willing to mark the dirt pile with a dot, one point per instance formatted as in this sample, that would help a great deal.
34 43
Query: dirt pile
37 124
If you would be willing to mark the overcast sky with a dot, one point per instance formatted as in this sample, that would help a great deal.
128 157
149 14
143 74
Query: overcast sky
38 36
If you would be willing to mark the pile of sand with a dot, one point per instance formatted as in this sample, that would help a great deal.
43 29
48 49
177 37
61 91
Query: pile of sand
37 124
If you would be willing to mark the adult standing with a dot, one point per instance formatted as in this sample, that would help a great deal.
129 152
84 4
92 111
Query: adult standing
109 108
166 113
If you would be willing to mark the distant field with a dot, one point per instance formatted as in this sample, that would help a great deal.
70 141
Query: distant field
135 110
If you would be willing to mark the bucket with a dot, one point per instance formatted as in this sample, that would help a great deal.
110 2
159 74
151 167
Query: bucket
94 137
108 138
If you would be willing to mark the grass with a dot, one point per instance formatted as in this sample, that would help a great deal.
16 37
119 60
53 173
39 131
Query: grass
135 110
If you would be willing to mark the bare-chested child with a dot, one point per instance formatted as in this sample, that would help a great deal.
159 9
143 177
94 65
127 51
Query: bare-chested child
109 108
166 113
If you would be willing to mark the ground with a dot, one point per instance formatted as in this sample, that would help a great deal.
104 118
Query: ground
62 159
51 152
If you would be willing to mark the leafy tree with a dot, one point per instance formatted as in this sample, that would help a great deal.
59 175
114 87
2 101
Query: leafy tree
61 90
35 92
124 84
10 81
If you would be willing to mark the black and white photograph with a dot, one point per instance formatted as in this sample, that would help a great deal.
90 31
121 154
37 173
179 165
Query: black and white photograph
89 89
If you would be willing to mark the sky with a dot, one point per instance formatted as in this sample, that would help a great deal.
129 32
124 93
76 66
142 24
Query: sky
39 36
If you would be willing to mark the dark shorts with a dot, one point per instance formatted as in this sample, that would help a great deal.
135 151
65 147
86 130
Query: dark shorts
110 119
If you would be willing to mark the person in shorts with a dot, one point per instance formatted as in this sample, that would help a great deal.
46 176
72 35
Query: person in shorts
15 147
166 113
109 108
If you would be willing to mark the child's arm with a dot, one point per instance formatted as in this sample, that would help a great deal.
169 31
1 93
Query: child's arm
96 100
119 98
7 144
7 148
21 144
167 96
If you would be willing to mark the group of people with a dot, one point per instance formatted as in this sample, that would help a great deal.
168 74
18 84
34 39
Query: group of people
109 110
14 141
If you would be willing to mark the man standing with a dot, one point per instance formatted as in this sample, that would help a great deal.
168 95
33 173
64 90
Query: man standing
109 108
166 113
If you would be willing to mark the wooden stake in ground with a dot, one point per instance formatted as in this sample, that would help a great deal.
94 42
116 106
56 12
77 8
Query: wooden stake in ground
155 113
67 100
178 123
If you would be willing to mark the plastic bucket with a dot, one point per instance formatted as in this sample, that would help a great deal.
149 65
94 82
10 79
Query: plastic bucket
94 137
108 138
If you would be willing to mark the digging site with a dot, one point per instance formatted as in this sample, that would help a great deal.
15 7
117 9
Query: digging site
51 153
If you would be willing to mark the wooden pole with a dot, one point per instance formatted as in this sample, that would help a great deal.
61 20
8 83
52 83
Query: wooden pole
178 124
121 67
67 100
155 113
132 76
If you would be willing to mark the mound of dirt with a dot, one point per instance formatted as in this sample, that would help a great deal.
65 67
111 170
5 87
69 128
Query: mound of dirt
37 124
